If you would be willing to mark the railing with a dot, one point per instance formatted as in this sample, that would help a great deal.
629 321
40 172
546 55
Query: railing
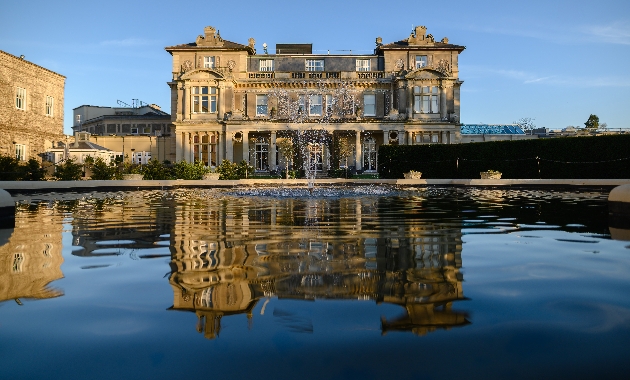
316 75
262 75
370 74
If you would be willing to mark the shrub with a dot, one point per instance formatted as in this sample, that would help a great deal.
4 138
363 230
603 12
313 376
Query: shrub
101 170
69 171
187 170
156 170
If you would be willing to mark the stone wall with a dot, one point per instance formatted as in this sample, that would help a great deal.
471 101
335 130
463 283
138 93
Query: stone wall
31 127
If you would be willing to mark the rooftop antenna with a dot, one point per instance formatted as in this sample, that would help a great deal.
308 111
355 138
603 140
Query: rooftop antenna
120 102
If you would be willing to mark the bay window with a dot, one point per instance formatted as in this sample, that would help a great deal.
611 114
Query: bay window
204 99
426 99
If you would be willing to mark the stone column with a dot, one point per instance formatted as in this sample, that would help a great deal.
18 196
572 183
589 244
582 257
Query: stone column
272 152
358 157
442 103
186 146
229 146
246 146
444 139
409 138
179 141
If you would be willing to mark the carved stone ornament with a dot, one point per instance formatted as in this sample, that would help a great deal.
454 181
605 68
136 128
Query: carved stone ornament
400 64
443 66
251 42
187 66
238 136
231 64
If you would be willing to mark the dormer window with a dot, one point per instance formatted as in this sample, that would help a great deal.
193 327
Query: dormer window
265 65
421 61
208 62
363 64
314 65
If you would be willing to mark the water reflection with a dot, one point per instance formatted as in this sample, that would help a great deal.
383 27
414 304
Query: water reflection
31 258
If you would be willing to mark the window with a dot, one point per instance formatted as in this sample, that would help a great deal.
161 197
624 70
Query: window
50 103
369 105
301 103
20 98
329 105
425 99
266 65
421 61
208 62
314 65
204 99
315 105
363 65
261 105
20 152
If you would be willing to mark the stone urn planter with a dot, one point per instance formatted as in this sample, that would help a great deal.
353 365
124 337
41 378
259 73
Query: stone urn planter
413 175
490 174
132 177
211 176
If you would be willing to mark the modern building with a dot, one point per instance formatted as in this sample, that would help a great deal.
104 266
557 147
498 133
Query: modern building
493 132
140 131
230 102
139 119
31 108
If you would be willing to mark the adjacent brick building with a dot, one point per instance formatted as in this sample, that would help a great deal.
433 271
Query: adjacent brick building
31 108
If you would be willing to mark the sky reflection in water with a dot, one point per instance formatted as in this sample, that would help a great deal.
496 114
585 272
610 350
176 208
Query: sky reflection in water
346 283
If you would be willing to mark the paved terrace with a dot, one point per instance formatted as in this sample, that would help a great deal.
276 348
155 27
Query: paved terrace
21 187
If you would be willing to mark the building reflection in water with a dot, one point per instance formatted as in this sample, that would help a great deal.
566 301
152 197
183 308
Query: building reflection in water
229 256
30 258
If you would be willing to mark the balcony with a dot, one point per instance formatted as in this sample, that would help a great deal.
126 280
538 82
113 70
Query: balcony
262 75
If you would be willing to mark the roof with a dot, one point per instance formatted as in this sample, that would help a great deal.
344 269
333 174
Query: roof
404 44
227 45
30 63
85 145
491 129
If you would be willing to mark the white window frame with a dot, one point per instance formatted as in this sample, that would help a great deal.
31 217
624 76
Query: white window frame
315 106
369 105
262 106
20 152
265 65
50 106
209 62
362 65
314 65
20 98
426 99
421 61
203 99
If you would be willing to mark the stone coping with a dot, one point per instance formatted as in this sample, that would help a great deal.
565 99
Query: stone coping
118 185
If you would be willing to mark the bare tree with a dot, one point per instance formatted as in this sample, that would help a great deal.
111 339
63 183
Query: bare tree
526 124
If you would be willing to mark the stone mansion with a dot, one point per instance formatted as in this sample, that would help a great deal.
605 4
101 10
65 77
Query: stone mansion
229 101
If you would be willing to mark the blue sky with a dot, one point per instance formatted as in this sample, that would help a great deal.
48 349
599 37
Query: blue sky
554 61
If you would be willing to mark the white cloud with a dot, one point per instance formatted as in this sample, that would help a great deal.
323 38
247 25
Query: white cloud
615 33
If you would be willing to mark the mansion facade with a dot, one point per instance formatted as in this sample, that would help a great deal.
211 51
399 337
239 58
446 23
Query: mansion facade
230 102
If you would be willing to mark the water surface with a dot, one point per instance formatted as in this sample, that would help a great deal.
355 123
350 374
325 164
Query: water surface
365 282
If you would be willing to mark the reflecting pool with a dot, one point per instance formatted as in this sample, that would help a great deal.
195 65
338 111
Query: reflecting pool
361 282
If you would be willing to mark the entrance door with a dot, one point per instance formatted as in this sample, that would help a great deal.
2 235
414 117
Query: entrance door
262 155
369 154
315 157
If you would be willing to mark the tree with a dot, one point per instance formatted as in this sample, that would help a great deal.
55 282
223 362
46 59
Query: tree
32 171
156 170
345 151
526 124
69 171
592 122
603 126
100 169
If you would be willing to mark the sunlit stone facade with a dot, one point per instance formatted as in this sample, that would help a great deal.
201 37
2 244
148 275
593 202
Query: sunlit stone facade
230 101
31 108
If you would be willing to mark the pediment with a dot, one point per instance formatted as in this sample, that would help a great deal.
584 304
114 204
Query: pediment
424 73
202 74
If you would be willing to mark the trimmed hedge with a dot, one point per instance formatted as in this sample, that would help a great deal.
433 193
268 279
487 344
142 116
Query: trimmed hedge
566 157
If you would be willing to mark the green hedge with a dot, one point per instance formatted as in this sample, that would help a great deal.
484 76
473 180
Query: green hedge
567 157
